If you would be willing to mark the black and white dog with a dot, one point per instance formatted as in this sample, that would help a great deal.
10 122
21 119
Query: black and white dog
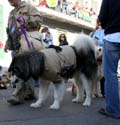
56 65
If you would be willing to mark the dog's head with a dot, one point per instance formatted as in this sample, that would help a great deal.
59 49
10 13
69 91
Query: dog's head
15 80
27 65
99 54
19 67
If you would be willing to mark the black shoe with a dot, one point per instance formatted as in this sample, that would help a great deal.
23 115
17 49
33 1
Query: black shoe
14 102
103 112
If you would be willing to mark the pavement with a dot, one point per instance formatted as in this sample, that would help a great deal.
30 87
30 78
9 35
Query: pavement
69 113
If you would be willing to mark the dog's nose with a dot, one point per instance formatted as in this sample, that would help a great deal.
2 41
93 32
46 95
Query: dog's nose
99 49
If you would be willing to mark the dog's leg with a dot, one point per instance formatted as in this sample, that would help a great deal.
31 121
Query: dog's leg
87 87
59 89
43 92
80 90
96 90
94 84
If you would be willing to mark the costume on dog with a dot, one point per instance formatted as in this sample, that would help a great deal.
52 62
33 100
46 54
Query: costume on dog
55 66
56 62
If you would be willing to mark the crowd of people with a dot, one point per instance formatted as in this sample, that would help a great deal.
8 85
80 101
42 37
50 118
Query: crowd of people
25 19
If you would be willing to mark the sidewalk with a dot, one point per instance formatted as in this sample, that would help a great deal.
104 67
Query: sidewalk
69 114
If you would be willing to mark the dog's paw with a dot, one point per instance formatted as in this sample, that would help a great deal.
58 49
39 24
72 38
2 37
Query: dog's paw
35 105
100 95
94 95
97 95
76 100
55 106
87 102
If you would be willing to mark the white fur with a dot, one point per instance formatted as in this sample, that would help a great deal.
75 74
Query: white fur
83 41
13 78
81 83
58 95
43 91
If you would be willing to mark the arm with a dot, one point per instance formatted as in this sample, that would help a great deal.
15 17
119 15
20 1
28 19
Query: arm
104 13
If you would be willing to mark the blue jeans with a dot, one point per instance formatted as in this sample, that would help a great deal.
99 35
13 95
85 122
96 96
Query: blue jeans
111 57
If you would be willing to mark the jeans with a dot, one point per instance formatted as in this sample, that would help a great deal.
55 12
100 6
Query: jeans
111 57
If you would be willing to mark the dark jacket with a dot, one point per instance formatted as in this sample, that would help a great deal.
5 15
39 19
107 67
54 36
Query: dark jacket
109 16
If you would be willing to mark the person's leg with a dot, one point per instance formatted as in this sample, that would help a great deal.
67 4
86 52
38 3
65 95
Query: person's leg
29 94
23 91
18 94
111 57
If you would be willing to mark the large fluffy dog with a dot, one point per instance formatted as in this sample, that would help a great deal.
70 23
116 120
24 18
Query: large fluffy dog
56 65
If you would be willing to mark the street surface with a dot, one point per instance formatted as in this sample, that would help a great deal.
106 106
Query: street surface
69 114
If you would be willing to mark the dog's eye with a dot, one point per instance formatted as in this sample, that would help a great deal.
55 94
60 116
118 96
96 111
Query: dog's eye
12 73
17 80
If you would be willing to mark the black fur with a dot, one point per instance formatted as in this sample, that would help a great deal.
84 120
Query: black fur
28 64
86 62
57 48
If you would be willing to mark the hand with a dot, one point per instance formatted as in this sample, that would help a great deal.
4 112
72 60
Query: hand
21 20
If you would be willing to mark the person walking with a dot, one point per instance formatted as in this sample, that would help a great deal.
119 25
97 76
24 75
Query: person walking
23 27
109 19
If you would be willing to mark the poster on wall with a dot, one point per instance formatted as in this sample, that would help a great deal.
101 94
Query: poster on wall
86 10
1 32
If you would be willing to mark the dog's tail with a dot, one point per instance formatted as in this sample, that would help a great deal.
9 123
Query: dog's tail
86 55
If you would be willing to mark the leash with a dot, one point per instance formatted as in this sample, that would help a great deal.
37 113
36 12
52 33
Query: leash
23 31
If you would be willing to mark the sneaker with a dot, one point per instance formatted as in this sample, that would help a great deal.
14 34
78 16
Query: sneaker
14 102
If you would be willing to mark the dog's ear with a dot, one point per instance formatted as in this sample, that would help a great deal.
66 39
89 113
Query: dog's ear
9 69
